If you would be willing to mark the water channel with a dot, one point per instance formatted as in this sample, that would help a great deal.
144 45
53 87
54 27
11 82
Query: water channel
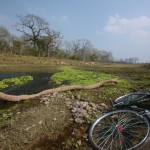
41 81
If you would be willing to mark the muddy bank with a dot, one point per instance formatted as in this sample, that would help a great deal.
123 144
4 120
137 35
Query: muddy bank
51 124
43 126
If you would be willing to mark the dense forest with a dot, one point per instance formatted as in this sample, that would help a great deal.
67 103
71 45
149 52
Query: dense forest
38 39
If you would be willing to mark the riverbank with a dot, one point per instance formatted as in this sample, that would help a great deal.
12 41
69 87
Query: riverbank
52 124
54 121
12 60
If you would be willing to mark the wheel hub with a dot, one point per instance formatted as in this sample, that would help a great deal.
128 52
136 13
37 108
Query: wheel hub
120 127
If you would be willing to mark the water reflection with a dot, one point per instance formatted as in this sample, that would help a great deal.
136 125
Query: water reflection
41 78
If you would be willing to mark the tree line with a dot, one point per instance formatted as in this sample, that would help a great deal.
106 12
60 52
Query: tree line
38 39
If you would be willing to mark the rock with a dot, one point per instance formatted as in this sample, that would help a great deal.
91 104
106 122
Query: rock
68 103
18 112
60 96
85 136
78 96
87 108
73 110
71 119
85 104
99 107
78 120
92 104
44 98
72 96
28 128
55 93
40 122
46 103
83 111
77 115
67 99
104 105
94 108
78 103
75 105
86 116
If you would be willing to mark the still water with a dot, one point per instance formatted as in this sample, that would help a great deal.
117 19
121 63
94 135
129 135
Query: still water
41 78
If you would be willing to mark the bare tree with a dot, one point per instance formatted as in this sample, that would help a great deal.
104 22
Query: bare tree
66 47
131 60
18 47
82 49
4 33
32 26
76 46
5 38
105 56
51 41
86 49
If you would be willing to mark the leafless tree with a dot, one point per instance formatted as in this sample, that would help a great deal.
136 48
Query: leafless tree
82 49
5 39
4 33
86 49
66 47
32 26
75 47
105 56
51 40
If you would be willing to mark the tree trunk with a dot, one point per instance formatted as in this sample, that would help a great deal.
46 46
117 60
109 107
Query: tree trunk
14 98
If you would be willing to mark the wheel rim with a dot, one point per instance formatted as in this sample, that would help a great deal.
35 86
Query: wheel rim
119 130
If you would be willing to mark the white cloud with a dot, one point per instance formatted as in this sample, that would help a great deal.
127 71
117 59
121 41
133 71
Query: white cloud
136 27
114 28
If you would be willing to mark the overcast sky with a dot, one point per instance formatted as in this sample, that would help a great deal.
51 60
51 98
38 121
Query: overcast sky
119 26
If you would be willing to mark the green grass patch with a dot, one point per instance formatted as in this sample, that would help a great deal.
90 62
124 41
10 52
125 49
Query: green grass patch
14 81
83 77
79 77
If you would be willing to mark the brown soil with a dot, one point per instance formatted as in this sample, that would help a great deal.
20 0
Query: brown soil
42 128
45 128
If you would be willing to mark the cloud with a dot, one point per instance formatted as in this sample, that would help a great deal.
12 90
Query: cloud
135 27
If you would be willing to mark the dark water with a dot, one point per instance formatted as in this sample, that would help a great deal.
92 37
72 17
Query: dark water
41 78
41 81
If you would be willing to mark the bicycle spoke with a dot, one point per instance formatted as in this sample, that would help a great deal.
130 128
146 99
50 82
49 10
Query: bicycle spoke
120 130
126 142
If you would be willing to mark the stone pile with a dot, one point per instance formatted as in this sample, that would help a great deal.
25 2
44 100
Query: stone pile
47 99
83 111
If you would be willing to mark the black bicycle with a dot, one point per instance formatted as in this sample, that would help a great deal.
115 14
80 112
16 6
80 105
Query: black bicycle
126 127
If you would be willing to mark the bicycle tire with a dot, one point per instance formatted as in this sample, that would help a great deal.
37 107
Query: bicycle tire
119 130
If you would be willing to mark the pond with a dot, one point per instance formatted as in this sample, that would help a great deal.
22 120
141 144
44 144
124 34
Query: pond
41 78
41 81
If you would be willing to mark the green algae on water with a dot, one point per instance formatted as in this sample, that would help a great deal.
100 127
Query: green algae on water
14 81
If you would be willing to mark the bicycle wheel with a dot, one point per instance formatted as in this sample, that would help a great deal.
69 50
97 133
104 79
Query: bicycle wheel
119 130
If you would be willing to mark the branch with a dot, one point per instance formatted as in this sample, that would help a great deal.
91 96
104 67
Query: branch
14 98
